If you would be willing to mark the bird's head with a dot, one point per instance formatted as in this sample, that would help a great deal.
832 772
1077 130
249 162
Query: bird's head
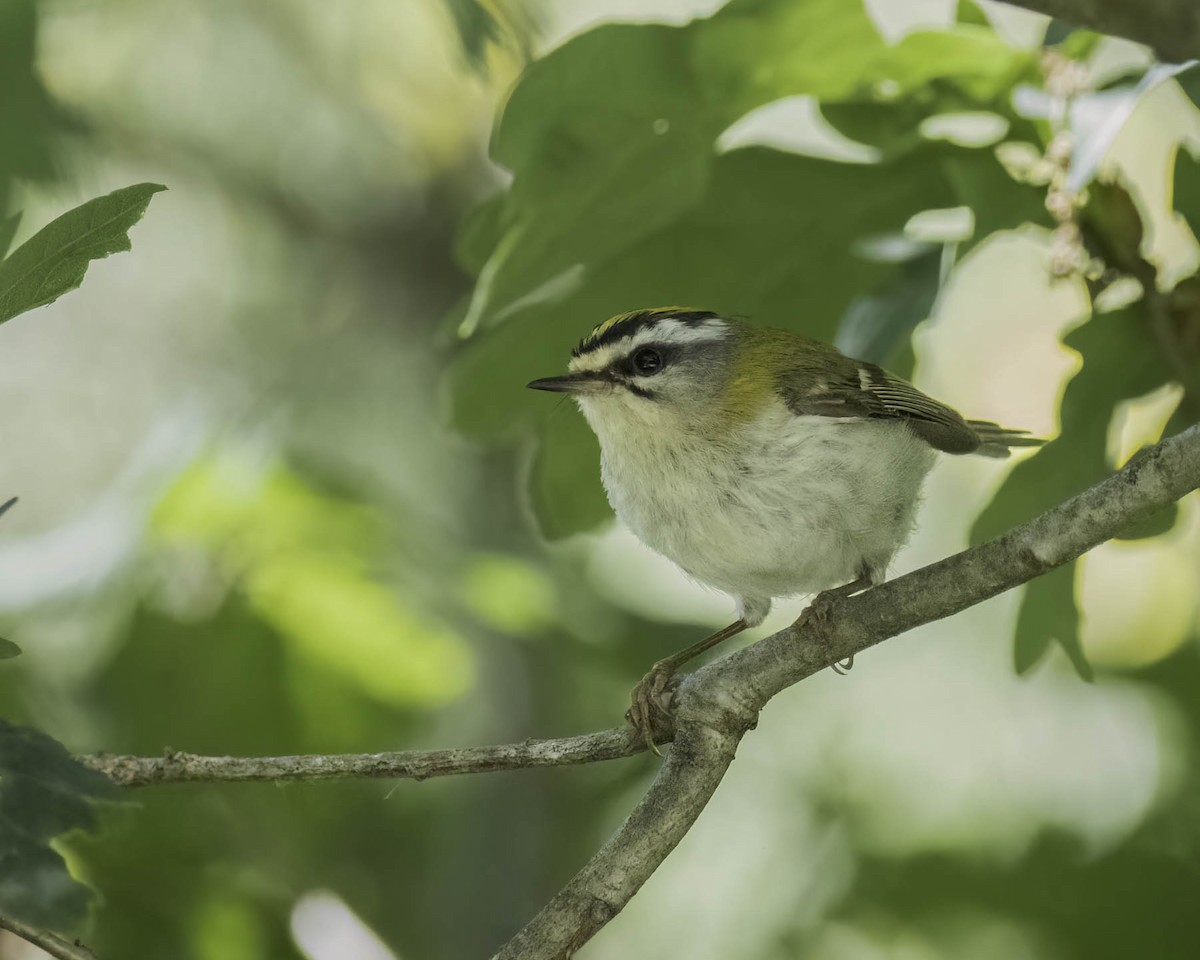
650 367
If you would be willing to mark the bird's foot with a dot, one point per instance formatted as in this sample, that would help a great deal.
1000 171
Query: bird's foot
815 616
647 707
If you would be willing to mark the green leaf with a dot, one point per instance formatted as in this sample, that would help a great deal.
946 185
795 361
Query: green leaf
968 11
1074 43
1189 80
44 793
8 229
1044 619
54 260
477 27
27 117
1186 189
8 649
875 326
1112 228
7 505
1119 363
480 26
997 201
610 137
564 482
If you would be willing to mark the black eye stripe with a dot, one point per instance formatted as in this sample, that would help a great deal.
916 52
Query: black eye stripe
640 391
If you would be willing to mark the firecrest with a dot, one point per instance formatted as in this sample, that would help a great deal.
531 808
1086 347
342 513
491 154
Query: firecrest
763 463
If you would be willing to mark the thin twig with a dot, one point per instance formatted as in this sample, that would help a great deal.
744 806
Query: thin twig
176 767
52 943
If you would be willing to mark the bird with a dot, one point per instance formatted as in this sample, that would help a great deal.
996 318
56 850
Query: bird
764 464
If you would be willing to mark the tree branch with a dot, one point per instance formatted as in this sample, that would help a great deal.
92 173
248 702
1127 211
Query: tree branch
52 943
1170 27
176 767
717 704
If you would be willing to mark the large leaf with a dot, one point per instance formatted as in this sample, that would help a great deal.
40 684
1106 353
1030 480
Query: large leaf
54 260
610 137
8 230
1119 363
44 793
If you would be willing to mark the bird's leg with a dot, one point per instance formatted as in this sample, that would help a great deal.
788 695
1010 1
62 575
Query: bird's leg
646 700
818 610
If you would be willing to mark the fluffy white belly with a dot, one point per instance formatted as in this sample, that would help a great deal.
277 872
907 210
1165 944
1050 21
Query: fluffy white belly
788 505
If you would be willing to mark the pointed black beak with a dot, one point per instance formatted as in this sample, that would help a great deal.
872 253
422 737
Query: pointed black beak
571 383
552 384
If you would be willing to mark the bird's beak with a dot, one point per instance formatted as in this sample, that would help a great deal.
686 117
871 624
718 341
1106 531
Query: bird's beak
571 383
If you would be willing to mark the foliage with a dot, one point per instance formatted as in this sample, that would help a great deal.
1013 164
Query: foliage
54 260
624 195
44 792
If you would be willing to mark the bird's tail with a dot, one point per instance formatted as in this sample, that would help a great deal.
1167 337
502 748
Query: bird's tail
996 441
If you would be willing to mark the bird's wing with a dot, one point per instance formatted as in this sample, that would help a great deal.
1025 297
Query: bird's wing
853 388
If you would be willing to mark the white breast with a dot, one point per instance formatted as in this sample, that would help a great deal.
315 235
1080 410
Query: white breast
785 505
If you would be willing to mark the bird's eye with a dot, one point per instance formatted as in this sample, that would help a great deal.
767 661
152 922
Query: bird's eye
647 361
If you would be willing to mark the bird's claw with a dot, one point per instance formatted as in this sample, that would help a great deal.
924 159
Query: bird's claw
646 707
815 615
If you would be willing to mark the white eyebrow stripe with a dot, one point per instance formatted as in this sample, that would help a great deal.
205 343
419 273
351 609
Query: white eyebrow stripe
664 331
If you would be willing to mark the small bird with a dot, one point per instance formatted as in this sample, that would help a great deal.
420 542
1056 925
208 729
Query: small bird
762 463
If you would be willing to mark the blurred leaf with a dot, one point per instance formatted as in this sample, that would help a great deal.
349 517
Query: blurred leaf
610 137
480 25
1094 130
304 562
968 11
335 614
7 505
54 260
1189 80
8 649
510 594
1186 189
1112 228
564 484
8 229
26 114
1119 363
476 26
873 326
1045 618
1131 898
997 201
1071 41
44 792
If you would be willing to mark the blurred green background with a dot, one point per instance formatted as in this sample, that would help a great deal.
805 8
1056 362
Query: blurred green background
283 490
